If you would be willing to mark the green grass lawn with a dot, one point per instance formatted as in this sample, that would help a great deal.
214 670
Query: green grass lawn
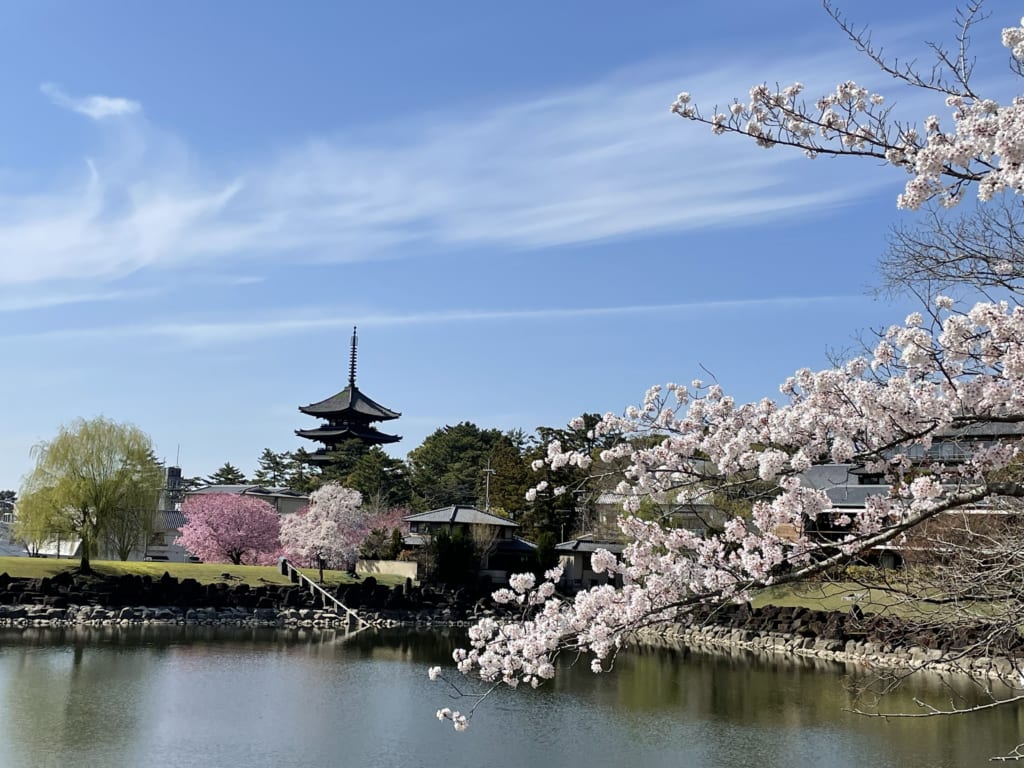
825 596
841 595
205 573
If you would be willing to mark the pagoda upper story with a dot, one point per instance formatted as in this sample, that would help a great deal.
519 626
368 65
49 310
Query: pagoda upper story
349 415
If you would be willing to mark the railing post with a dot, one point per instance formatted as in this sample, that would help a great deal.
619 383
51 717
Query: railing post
321 595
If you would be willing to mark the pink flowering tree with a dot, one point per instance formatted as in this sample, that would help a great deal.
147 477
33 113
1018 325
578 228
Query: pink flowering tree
230 528
334 526
948 369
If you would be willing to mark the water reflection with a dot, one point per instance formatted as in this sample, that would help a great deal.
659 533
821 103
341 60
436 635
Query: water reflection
209 696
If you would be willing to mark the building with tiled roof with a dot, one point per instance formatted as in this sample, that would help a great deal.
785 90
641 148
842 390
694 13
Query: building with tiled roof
348 415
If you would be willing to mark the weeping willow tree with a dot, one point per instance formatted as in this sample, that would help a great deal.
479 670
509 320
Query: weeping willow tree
96 481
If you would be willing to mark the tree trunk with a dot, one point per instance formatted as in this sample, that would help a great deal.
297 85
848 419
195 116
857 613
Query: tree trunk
84 566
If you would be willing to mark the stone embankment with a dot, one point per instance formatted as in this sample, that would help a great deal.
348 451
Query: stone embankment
68 599
880 642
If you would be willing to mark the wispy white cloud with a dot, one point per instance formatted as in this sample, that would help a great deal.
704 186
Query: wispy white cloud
304 322
35 300
605 160
97 107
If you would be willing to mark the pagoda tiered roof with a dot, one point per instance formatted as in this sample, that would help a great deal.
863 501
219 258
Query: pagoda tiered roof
349 415
334 433
350 401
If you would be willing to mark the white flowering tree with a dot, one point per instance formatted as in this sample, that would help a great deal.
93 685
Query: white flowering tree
948 368
333 526
982 142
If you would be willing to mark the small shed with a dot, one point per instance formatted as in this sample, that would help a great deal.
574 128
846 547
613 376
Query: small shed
575 556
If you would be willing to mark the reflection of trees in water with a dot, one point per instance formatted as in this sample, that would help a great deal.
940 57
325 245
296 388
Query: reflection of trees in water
421 645
782 694
95 671
58 712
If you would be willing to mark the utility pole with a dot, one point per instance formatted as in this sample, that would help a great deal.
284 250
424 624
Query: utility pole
487 485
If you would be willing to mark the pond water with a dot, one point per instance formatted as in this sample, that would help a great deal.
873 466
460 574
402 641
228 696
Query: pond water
188 696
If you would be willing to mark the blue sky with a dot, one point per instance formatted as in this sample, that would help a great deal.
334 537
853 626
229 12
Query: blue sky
199 201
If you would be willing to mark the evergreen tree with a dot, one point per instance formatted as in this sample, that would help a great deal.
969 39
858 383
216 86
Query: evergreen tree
510 474
272 469
227 475
448 467
300 474
566 514
382 480
343 460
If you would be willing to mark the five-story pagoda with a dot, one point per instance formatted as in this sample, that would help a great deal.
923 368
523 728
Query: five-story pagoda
349 415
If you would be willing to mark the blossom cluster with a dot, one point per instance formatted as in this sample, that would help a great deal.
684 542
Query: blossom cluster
876 410
879 410
459 720
334 526
984 145
227 527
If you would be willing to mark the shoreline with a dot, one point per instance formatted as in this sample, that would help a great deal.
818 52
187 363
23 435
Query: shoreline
879 641
36 617
725 640
717 639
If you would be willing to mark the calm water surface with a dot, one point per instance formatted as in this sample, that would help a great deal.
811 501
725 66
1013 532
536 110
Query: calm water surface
214 697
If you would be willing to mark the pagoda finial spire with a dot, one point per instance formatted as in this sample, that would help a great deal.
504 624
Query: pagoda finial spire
352 360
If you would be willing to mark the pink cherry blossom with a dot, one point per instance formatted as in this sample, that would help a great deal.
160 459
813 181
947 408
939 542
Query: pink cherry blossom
227 527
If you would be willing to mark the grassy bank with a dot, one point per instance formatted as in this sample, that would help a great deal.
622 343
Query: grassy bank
204 573
823 596
841 596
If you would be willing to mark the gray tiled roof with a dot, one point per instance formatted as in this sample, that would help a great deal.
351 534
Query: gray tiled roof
589 544
986 429
249 490
459 513
826 476
227 489
514 544
345 431
172 519
855 495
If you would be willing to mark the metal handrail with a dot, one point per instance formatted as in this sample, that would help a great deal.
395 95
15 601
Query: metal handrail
298 577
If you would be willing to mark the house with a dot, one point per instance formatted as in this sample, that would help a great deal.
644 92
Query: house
8 547
284 501
501 552
848 487
574 556
169 518
604 533
699 518
161 544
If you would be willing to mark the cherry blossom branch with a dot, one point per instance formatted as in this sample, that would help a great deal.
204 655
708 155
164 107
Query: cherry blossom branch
931 711
984 148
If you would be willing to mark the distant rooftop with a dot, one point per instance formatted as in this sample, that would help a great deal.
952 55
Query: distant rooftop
460 513
250 490
588 543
